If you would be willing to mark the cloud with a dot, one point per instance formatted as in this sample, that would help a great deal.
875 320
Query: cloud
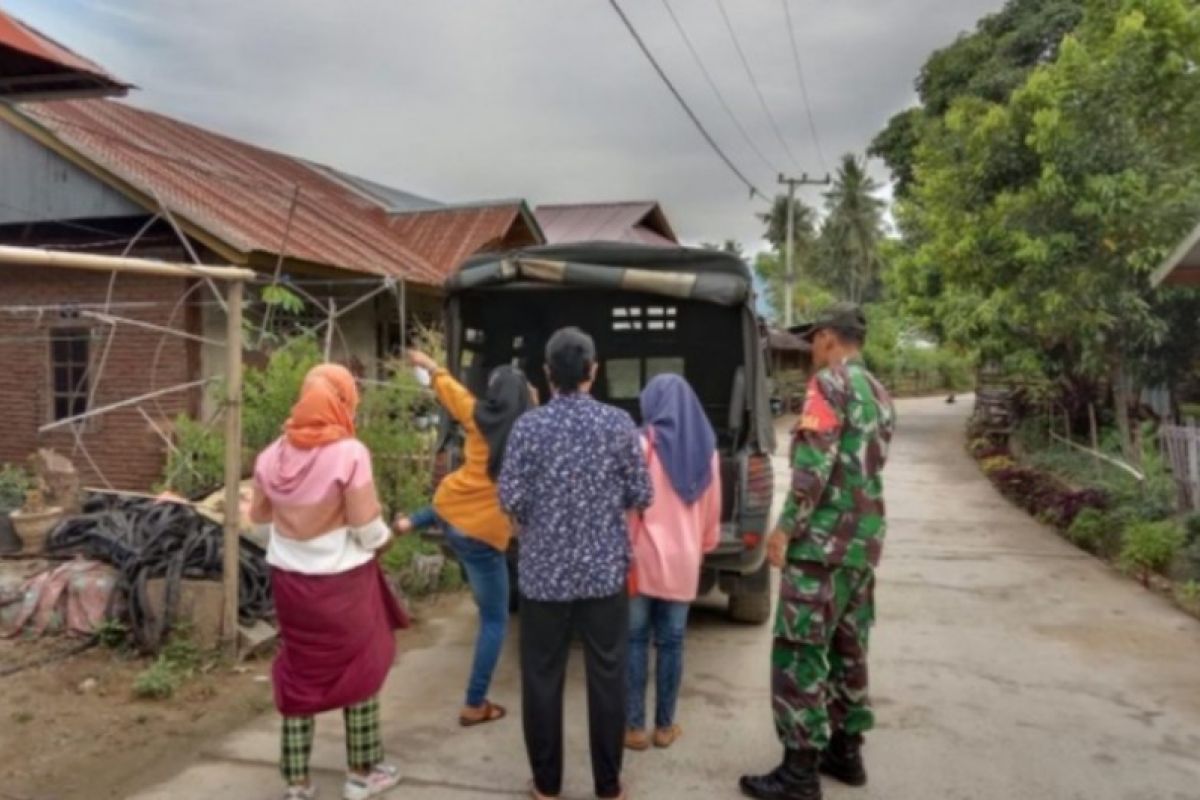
544 99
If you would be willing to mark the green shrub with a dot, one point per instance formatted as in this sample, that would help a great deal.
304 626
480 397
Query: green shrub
1150 547
270 393
1191 527
1187 564
1097 532
156 682
401 454
1188 595
178 663
14 483
196 465
112 634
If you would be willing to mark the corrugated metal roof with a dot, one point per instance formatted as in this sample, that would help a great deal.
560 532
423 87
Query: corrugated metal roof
447 236
32 65
237 193
393 200
637 222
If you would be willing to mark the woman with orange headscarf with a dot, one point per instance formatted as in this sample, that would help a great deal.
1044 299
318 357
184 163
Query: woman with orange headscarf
315 494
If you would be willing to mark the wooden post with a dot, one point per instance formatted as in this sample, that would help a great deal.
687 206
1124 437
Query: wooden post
329 330
1094 427
233 466
403 319
1192 445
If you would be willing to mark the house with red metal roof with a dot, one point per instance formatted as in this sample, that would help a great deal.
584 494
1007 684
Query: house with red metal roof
35 67
638 222
104 177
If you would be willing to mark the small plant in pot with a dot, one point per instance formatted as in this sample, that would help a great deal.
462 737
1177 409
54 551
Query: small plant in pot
34 520
14 483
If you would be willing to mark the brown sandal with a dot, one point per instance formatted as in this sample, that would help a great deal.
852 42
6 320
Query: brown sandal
491 713
665 737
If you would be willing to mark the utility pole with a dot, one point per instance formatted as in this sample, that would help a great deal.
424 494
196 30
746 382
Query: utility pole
789 265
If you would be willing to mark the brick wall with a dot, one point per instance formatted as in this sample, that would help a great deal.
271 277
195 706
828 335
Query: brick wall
123 444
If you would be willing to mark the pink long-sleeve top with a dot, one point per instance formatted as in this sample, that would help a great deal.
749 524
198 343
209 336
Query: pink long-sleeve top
670 539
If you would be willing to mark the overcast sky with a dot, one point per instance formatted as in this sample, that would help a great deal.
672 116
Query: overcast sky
549 100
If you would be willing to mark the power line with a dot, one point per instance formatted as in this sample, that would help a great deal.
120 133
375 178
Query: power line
712 84
812 125
762 101
687 109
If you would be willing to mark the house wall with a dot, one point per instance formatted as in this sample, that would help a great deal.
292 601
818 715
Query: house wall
126 450
37 183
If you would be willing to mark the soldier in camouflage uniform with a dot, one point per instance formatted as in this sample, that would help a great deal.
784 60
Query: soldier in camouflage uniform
828 543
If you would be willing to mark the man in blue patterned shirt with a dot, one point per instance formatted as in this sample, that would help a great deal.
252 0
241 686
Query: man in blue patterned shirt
572 470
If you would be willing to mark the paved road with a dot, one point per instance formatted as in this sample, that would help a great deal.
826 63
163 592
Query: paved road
1006 666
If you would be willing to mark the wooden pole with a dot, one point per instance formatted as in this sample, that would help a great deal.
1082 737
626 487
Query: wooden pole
403 319
34 256
1095 428
233 466
329 330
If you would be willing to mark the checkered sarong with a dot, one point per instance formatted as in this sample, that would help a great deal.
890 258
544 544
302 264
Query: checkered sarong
364 745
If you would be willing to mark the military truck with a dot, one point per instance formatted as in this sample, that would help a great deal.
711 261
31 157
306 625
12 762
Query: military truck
650 310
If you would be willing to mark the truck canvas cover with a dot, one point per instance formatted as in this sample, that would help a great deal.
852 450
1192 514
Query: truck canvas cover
685 274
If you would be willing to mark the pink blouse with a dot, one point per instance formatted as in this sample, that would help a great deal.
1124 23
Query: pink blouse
670 538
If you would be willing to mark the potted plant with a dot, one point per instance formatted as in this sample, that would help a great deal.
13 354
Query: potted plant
34 520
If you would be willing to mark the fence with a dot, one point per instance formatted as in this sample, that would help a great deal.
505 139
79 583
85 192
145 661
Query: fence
1181 445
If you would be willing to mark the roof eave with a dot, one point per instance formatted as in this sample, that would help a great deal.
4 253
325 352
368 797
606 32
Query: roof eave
44 136
1176 260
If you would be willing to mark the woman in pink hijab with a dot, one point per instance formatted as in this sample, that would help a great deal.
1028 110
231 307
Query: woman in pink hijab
315 495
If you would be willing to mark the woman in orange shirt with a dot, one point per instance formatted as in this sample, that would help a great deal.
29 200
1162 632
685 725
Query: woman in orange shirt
466 503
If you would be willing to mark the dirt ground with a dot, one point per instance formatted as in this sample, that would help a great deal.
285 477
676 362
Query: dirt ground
73 729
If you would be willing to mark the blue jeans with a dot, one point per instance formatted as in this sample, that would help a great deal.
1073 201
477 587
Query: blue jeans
487 573
668 619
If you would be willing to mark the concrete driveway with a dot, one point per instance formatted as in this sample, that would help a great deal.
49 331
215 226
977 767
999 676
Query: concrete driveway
1006 665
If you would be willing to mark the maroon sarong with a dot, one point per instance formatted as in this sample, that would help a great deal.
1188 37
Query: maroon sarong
336 640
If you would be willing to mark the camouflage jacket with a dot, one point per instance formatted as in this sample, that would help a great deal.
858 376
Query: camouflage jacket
835 512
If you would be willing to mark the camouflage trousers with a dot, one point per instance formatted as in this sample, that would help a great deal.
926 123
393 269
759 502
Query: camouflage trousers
819 658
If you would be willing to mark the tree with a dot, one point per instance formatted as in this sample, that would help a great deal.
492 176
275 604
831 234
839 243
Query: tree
1035 220
988 64
731 246
849 260
776 221
808 296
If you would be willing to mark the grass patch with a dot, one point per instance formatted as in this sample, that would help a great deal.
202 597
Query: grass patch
178 662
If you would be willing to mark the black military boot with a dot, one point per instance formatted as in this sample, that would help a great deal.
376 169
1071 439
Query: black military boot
795 779
842 760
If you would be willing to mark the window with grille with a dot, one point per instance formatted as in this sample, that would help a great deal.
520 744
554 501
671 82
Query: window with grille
631 319
70 349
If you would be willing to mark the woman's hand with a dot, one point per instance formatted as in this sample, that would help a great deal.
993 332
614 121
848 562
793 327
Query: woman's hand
402 525
418 359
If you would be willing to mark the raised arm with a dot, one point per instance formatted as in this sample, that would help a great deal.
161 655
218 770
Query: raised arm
454 397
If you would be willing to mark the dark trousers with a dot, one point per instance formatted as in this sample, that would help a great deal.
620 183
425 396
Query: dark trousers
546 631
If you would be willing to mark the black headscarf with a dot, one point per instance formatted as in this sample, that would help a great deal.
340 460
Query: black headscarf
507 398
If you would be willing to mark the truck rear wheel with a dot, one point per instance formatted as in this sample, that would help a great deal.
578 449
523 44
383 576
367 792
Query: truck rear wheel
750 600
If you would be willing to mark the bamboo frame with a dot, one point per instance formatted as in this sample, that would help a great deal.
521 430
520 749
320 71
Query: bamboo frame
39 257
236 278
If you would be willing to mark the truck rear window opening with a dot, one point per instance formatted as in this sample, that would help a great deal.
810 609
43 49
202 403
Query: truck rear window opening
628 376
